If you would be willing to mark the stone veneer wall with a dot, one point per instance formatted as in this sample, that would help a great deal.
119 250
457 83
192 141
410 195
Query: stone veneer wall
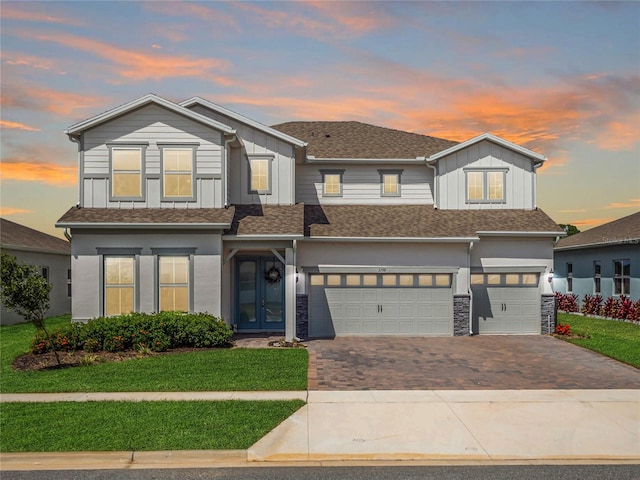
302 316
461 311
548 314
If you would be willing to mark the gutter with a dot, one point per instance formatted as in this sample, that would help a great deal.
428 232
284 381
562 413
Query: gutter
470 290
169 226
77 141
435 184
493 233
395 239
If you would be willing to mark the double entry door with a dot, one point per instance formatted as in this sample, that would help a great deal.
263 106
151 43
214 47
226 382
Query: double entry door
259 293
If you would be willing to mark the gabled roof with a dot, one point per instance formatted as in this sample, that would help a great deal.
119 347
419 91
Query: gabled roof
140 102
178 218
242 119
356 140
14 236
268 220
422 222
491 138
625 230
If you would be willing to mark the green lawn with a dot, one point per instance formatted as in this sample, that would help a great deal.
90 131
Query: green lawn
206 370
617 340
109 426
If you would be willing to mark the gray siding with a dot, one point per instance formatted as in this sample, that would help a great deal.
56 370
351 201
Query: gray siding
152 124
256 142
361 184
58 266
583 259
485 154
88 286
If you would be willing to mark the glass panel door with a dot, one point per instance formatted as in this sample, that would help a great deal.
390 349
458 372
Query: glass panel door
247 294
273 291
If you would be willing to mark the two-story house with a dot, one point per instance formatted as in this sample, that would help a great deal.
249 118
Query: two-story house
313 229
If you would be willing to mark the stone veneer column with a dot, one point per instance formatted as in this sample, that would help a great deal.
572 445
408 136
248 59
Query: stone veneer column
548 314
461 311
302 316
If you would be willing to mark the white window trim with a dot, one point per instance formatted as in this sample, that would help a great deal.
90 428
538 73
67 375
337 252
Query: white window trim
104 281
622 276
159 283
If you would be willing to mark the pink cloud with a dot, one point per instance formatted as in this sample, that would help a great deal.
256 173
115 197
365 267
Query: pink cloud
6 211
43 99
631 203
9 11
26 170
18 126
138 65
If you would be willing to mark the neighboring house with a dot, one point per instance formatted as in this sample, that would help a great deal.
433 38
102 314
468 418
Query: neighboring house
313 229
51 255
604 260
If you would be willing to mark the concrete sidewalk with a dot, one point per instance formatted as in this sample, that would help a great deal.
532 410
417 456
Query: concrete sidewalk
459 425
429 427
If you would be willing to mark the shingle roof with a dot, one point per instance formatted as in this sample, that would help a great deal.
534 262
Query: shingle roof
420 221
268 220
625 229
361 140
15 235
164 216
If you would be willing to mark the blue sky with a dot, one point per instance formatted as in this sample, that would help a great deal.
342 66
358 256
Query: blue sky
561 78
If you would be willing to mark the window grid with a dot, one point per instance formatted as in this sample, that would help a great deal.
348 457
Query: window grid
119 281
384 280
126 172
485 186
597 279
259 175
173 283
178 172
622 277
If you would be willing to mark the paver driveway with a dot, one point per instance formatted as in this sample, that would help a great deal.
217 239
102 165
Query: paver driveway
461 363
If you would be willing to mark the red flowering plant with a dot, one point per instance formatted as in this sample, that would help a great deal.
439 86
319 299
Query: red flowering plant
563 329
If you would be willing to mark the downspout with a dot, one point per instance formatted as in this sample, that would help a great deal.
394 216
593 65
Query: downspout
295 288
470 290
435 184
225 180
534 187
67 235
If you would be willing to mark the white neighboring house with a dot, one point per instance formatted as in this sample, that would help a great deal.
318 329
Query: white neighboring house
50 254
312 229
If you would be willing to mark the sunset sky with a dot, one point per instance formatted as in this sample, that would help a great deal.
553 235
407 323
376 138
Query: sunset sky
560 78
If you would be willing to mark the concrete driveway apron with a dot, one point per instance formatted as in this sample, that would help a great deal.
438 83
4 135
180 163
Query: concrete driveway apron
462 363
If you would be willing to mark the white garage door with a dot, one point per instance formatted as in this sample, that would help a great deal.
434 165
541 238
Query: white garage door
506 303
380 304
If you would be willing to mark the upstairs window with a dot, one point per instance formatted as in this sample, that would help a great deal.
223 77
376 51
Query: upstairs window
597 277
332 183
126 173
390 183
260 175
177 172
621 277
486 186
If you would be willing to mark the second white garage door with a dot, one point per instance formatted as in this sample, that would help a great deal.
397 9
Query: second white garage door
380 304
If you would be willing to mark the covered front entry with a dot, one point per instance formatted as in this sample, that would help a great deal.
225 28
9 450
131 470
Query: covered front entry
506 303
380 304
260 293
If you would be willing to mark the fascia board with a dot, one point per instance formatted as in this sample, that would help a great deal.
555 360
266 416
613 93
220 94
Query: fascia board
492 138
22 248
142 101
395 239
242 119
255 237
520 234
617 243
168 226
368 161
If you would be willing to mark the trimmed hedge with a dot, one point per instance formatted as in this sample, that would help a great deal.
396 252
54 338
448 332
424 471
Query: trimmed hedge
157 332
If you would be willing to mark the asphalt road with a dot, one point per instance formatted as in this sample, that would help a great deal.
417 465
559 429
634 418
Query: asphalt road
492 472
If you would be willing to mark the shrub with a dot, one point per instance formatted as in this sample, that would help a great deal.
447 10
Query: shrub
563 329
567 302
591 305
156 332
610 307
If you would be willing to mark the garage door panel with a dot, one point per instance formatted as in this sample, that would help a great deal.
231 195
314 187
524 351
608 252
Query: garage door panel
380 310
506 310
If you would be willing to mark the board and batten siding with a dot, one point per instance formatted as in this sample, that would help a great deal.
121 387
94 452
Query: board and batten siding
152 124
361 185
256 142
518 180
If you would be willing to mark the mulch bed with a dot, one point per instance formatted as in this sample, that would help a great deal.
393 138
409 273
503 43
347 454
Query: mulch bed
47 361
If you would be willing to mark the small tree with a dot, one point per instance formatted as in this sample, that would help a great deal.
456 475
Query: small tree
24 290
569 229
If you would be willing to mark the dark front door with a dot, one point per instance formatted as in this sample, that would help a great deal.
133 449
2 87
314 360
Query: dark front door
259 293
